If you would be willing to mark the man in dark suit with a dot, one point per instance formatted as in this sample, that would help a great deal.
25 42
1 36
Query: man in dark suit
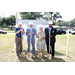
52 35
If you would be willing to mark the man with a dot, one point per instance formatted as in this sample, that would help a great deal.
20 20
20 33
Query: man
52 35
31 32
19 31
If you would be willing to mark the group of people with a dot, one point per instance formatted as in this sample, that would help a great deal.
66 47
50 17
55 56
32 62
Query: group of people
42 41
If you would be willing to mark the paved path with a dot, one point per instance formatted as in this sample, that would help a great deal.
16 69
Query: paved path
10 33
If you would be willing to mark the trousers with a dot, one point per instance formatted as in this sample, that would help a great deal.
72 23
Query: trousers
18 41
33 47
53 48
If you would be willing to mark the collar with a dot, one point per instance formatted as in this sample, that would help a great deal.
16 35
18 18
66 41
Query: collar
31 28
19 28
50 28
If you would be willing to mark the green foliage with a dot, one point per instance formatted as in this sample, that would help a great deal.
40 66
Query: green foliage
56 16
60 21
7 21
31 15
72 22
67 23
53 15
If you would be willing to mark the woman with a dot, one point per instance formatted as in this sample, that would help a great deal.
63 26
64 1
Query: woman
41 40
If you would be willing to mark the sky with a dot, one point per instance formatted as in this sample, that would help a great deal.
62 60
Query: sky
66 16
7 14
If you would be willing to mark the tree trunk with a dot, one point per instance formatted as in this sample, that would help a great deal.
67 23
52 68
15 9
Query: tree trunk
2 27
51 17
11 27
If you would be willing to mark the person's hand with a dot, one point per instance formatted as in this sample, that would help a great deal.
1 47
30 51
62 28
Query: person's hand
31 32
21 30
39 33
40 40
50 35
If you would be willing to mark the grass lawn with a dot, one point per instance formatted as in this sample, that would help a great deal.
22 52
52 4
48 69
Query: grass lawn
7 44
8 30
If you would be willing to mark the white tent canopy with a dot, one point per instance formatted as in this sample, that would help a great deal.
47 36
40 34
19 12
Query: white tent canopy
36 24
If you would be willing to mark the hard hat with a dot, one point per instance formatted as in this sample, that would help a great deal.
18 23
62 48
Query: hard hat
41 26
50 22
30 22
19 22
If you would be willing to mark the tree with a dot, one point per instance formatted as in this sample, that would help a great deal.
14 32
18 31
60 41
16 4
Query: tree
8 21
2 21
53 15
56 16
72 22
60 21
12 20
65 23
31 15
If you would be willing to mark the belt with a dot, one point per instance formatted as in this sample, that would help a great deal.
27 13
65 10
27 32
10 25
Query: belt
19 36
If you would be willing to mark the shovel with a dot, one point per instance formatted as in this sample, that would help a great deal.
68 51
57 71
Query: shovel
49 56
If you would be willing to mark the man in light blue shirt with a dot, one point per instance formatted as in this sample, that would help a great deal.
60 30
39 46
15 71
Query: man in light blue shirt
31 32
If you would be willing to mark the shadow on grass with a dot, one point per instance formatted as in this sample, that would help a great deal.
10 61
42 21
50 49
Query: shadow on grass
36 59
58 53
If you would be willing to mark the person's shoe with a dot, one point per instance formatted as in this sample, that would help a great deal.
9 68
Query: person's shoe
20 53
52 56
43 56
33 56
17 54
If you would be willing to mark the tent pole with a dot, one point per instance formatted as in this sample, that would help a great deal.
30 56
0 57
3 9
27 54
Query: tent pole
67 44
15 37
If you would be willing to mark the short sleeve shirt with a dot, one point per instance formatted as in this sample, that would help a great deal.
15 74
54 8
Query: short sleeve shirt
19 34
